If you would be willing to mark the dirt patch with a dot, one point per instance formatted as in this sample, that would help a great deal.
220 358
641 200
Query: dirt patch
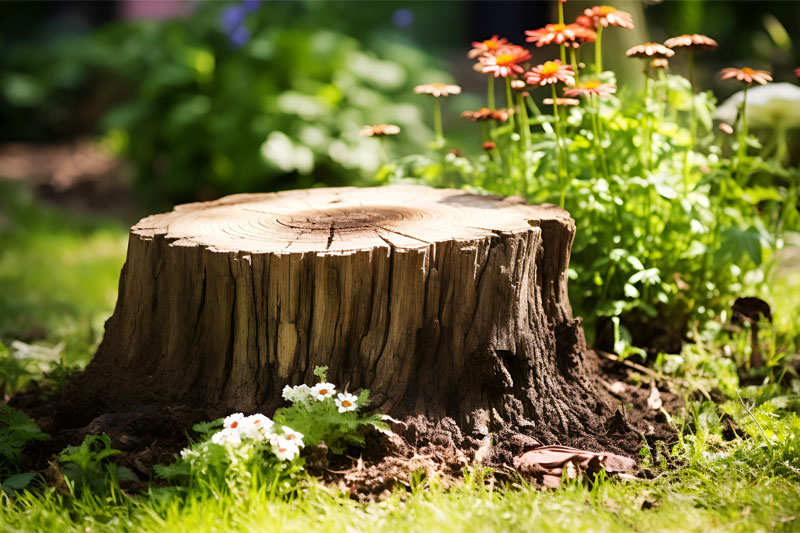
420 449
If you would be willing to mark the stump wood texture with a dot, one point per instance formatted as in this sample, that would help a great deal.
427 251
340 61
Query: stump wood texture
441 302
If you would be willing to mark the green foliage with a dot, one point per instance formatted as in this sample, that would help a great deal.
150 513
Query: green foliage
16 431
14 373
199 116
87 467
655 246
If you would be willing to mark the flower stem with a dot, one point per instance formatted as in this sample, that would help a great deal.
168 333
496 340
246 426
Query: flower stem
490 93
598 51
646 125
510 104
526 138
742 148
562 180
524 124
538 113
573 58
600 154
692 127
561 21
437 122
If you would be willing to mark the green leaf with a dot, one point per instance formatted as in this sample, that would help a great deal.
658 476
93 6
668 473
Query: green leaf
18 481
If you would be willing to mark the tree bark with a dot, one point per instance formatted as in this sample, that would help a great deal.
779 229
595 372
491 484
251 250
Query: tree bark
442 303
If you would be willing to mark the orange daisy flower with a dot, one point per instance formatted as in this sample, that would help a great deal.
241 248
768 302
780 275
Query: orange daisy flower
659 62
592 87
586 22
650 50
694 42
746 75
502 115
380 130
489 46
606 16
726 128
505 62
562 102
480 115
566 34
437 89
550 72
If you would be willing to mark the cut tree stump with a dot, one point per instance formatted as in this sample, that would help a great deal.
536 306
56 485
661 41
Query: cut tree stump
442 303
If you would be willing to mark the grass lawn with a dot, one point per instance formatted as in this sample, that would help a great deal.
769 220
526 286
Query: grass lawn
58 282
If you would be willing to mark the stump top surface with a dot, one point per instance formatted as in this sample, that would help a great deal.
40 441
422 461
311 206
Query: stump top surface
346 219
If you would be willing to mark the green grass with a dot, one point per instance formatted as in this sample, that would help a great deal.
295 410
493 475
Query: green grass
732 487
60 274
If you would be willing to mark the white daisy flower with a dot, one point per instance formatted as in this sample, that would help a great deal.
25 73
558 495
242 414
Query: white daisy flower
227 436
297 394
320 391
346 402
285 450
257 426
233 421
292 436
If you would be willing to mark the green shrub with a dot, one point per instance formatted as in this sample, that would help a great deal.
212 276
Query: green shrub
200 116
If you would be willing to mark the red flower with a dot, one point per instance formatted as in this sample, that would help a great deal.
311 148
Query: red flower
746 75
797 72
489 46
550 72
593 87
609 16
566 34
505 62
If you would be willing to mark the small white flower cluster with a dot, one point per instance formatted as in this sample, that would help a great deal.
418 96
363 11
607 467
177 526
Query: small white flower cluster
303 394
285 443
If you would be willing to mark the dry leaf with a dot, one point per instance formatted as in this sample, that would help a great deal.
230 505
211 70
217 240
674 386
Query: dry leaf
547 464
654 400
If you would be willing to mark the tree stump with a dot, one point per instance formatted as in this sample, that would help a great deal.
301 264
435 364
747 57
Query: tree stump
442 303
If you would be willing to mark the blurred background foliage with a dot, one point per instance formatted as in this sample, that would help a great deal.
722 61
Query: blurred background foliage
223 97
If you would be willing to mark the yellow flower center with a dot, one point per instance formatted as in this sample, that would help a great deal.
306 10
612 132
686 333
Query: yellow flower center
346 403
559 27
505 59
591 84
606 10
748 71
550 68
323 391
491 44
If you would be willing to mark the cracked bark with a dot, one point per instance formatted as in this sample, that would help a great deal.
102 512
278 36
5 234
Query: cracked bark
442 303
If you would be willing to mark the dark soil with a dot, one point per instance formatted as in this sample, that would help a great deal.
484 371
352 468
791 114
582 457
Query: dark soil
150 434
